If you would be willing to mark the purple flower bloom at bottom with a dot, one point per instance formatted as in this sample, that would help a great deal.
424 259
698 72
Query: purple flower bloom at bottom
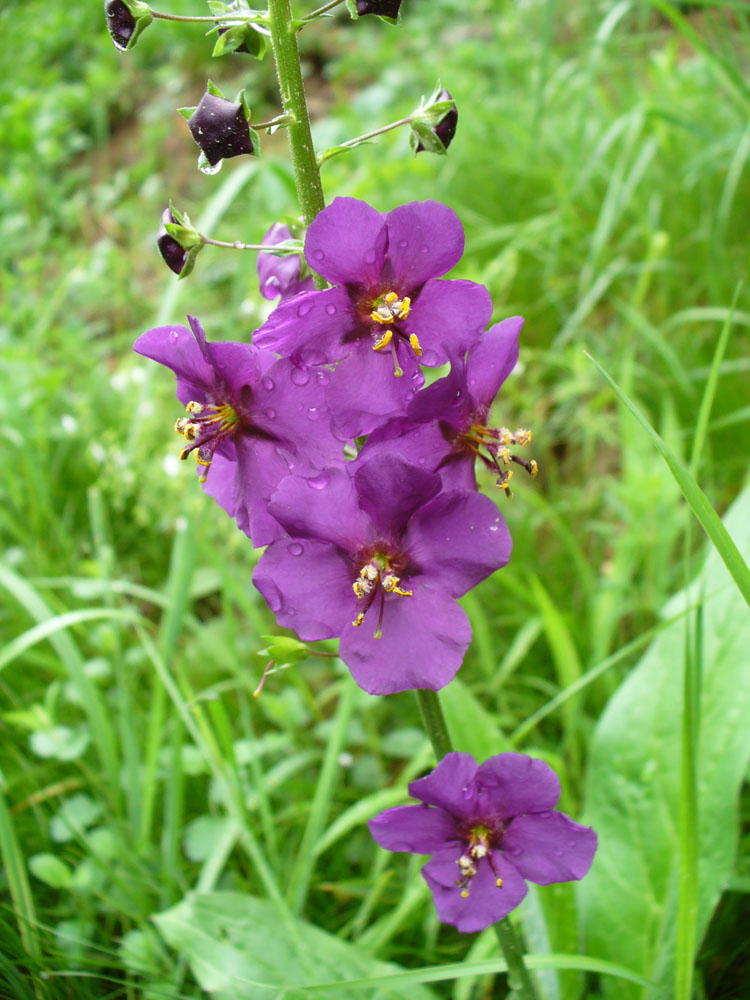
490 829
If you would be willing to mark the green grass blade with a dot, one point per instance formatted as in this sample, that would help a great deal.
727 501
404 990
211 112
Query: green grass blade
696 498
14 864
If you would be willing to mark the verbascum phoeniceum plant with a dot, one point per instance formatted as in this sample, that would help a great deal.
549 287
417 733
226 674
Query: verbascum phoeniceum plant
320 436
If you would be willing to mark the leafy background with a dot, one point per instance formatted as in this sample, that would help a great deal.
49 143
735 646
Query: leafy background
153 814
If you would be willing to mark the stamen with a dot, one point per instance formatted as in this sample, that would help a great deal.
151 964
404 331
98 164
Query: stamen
503 481
398 371
384 341
415 345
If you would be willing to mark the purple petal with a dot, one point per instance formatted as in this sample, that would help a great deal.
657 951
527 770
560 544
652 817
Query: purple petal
325 507
448 317
219 482
492 359
417 829
308 586
279 276
346 243
458 539
390 490
260 467
236 365
485 903
512 783
549 847
310 328
425 240
424 638
175 347
450 786
447 399
425 445
364 391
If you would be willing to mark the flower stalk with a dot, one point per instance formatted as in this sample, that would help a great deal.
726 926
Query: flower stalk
437 730
292 90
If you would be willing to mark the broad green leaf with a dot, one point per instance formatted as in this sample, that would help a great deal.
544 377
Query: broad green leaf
238 950
51 870
629 897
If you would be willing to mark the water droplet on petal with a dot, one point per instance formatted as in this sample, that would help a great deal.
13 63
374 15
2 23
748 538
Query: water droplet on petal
304 308
271 414
370 256
268 383
515 851
571 843
493 527
544 815
318 255
206 168
557 852
429 358
421 460
300 376
319 482
272 595
403 243
313 356
323 378
331 309
424 249
295 549
313 413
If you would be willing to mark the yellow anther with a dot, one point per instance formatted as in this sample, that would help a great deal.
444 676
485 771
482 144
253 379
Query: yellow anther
465 894
384 341
391 297
358 588
505 455
522 436
504 436
415 345
499 882
181 424
203 476
184 453
533 468
201 461
380 318
359 619
405 307
402 593
193 407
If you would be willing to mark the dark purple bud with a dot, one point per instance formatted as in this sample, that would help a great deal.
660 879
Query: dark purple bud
446 127
126 19
239 37
173 254
221 129
384 8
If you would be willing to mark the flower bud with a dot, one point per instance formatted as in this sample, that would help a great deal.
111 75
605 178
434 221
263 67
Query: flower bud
245 37
178 243
126 19
434 124
383 8
221 127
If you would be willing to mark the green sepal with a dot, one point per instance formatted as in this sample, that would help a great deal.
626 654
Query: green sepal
351 6
211 88
287 248
189 264
424 134
185 236
187 113
240 34
433 114
296 227
141 23
255 139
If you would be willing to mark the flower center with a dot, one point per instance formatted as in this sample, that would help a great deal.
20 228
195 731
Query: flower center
386 310
207 425
479 847
491 445
376 576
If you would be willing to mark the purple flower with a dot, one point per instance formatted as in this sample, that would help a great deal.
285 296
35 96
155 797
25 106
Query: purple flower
446 425
220 127
126 20
388 312
378 558
490 830
279 276
250 421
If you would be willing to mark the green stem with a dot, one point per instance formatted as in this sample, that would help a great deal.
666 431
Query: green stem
244 246
292 89
218 18
437 729
322 10
353 143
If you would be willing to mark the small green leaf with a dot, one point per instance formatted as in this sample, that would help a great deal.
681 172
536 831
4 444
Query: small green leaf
60 742
51 870
73 817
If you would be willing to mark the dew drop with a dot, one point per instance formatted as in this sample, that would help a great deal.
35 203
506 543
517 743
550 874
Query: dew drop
544 815
403 243
331 309
304 308
300 376
295 549
571 843
424 249
272 595
206 168
318 255
370 256
313 413
268 383
319 482
515 851
421 460
558 852
429 358
493 527
174 335
323 378
313 356
271 414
